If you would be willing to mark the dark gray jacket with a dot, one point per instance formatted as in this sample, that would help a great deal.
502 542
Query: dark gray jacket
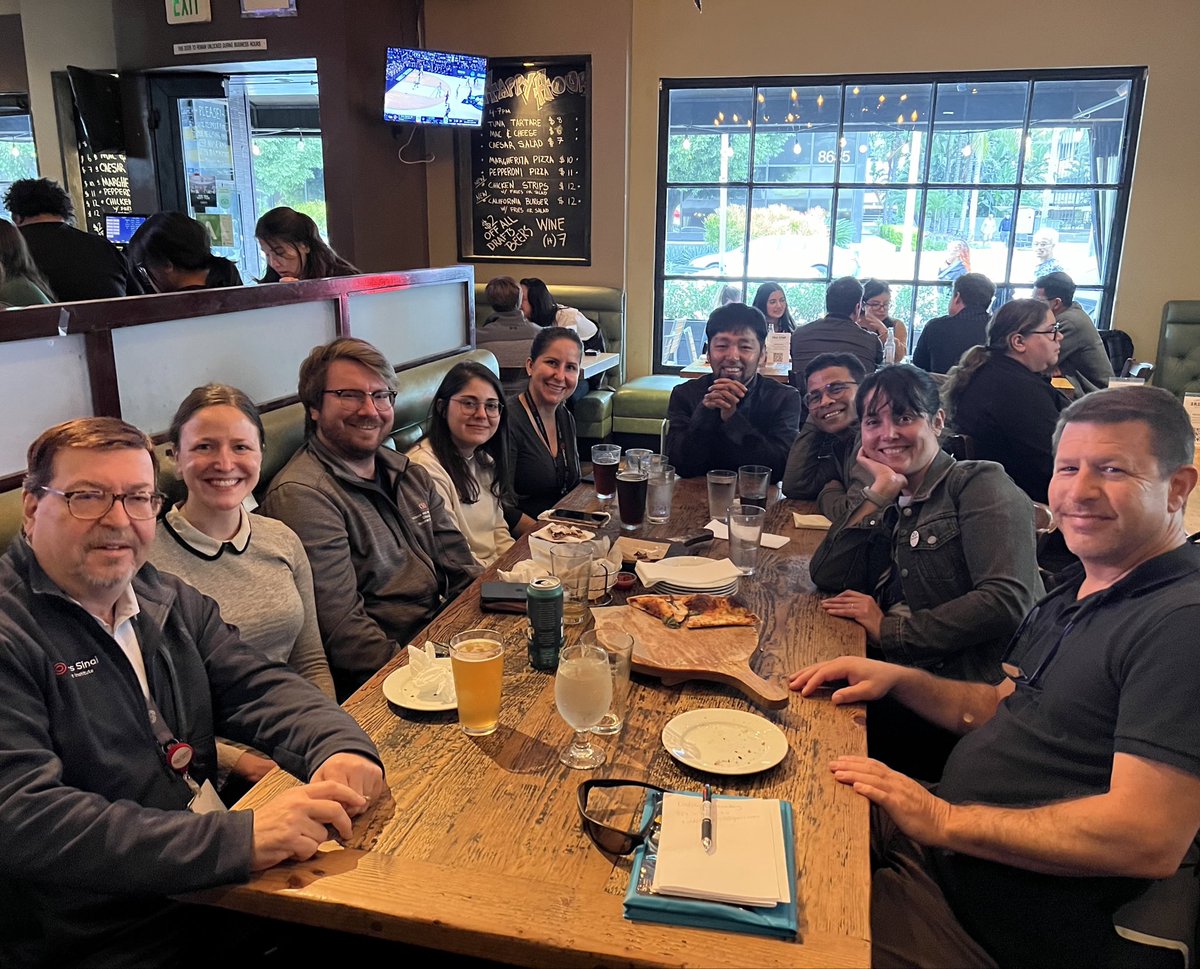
383 561
94 830
824 468
965 549
1082 356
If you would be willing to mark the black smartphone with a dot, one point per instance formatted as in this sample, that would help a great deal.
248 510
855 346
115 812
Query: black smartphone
502 597
598 518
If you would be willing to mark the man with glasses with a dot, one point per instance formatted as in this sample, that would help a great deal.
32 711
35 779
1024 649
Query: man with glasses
837 331
822 460
945 339
114 678
1082 358
385 553
1076 780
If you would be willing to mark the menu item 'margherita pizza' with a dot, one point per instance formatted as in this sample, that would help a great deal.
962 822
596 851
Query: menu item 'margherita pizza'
699 611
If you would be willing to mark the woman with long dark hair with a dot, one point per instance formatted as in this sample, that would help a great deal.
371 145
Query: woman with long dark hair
466 456
173 253
540 307
771 301
294 249
20 282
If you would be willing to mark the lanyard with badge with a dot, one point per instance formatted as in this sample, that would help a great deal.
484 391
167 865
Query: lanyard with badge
561 470
178 755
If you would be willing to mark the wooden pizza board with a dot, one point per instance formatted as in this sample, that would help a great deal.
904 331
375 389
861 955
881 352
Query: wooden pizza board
721 655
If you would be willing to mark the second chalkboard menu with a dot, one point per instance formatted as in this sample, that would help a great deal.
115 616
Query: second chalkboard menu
524 185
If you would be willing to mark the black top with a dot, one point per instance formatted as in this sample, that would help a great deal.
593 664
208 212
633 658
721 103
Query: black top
946 338
761 432
539 480
79 265
833 334
1118 674
1011 412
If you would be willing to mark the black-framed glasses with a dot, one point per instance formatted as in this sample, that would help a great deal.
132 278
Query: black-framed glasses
1053 331
380 398
835 390
89 506
876 305
491 407
630 803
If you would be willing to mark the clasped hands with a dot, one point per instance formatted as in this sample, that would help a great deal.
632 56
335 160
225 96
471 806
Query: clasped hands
724 396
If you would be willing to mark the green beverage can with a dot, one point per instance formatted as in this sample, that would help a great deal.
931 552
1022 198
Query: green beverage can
544 606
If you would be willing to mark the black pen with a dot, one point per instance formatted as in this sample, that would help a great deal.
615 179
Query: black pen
706 824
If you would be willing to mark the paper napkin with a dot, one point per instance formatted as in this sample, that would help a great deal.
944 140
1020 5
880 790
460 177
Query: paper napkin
430 679
810 521
768 540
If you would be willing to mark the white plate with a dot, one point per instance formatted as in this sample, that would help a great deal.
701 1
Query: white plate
724 741
399 690
544 535
669 588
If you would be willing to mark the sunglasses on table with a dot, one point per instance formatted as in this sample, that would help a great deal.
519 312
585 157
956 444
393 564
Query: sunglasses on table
626 798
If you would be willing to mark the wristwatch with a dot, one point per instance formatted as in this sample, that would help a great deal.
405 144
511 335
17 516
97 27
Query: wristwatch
876 498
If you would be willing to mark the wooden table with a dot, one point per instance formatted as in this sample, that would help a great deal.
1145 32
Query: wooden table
776 371
478 849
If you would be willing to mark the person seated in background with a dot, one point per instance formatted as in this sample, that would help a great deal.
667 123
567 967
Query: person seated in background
958 260
76 264
822 460
292 245
877 302
836 331
114 679
538 306
1077 777
466 456
385 553
20 282
1044 242
254 567
174 253
541 430
1082 358
507 334
771 301
936 560
734 416
945 339
999 395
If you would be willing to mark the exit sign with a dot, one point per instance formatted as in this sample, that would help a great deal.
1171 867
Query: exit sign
188 11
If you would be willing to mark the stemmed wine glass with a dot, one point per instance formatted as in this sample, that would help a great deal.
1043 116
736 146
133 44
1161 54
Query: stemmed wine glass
583 694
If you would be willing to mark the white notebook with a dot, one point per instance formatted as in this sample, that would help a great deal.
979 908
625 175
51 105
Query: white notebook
746 864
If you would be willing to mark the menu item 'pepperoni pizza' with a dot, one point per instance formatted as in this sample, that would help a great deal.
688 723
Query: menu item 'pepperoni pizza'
698 611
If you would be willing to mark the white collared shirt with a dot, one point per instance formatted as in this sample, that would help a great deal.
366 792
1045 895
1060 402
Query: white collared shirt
122 632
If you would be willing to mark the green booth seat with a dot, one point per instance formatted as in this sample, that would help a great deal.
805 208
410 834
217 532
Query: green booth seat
1178 364
640 407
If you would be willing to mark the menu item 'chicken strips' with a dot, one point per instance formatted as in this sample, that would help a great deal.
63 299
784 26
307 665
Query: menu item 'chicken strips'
699 611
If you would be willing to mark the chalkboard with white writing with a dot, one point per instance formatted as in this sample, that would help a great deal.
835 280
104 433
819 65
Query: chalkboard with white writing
524 178
106 189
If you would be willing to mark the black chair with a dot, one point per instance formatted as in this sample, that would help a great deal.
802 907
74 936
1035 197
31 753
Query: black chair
1119 346
960 446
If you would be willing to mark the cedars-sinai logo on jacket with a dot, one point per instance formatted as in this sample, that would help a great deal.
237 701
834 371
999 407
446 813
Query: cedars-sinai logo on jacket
81 667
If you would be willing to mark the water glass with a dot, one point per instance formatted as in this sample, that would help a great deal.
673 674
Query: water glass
573 565
659 491
753 482
653 462
721 488
631 498
477 662
619 647
582 693
605 459
635 458
745 535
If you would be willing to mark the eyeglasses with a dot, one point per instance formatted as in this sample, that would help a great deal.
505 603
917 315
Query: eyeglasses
835 390
144 275
91 505
380 398
876 305
472 404
618 841
1052 332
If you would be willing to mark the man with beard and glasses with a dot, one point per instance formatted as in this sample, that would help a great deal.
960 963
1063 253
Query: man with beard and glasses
114 678
385 553
735 415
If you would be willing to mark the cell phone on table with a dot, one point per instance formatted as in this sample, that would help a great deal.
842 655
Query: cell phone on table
502 597
597 518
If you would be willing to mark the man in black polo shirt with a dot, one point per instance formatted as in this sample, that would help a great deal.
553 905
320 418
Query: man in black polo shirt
1077 778
946 338
77 265
735 415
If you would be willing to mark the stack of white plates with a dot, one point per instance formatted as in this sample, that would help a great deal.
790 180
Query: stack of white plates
686 574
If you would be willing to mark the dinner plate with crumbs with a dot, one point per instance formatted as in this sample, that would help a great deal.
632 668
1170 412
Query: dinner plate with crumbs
722 741
400 690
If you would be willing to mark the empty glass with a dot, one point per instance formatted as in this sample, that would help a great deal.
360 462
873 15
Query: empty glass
753 482
619 647
745 535
659 491
635 458
573 565
721 488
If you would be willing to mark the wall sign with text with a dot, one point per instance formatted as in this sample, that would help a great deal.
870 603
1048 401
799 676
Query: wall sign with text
524 178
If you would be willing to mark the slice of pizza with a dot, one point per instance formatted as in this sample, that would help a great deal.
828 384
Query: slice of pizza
669 610
707 612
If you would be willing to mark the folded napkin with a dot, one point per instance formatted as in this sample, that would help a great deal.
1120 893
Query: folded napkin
810 521
687 571
525 571
432 679
768 540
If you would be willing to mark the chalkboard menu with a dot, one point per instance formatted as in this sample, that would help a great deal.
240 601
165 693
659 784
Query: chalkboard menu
524 185
106 189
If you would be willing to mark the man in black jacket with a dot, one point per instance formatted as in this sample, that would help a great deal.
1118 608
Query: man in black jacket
114 679
946 338
734 416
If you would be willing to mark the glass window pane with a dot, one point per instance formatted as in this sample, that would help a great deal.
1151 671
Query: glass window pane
946 242
806 301
1063 230
885 133
687 304
789 235
1076 130
880 227
977 132
796 134
720 216
709 137
18 157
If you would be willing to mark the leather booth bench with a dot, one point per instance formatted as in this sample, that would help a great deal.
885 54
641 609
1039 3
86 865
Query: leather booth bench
640 408
1177 367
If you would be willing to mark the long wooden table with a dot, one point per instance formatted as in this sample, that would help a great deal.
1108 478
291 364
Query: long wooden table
478 849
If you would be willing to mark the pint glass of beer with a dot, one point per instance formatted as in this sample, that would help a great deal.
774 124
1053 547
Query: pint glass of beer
477 660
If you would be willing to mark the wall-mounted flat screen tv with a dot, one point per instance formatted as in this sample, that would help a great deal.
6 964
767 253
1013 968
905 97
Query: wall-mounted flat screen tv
434 87
97 97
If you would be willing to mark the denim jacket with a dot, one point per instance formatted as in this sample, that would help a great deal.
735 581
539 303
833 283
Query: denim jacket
965 550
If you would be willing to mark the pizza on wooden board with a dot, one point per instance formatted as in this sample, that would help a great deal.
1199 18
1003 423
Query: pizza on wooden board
698 611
